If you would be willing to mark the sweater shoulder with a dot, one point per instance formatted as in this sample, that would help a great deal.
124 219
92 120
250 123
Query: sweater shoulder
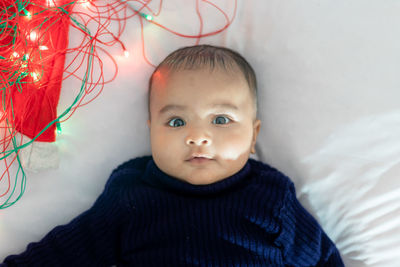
135 164
128 171
275 186
265 173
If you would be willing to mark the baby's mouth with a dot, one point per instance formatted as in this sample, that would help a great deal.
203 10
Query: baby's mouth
199 158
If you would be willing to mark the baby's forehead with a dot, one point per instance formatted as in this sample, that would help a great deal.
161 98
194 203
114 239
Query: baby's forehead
206 80
220 82
163 74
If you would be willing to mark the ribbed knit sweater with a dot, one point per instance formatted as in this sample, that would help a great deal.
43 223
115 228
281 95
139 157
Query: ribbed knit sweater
145 217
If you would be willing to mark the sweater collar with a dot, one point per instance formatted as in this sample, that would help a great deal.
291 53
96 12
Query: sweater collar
156 177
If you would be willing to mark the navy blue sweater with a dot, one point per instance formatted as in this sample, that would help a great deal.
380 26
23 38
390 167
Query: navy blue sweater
146 218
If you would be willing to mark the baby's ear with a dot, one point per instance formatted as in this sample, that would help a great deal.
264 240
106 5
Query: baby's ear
256 130
148 123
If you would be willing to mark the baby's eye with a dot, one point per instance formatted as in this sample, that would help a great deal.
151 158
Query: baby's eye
221 120
176 122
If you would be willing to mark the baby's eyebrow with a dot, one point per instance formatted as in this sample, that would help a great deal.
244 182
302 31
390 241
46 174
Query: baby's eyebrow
171 107
225 106
182 107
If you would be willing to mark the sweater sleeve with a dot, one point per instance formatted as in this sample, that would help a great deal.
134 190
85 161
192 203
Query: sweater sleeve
91 239
302 239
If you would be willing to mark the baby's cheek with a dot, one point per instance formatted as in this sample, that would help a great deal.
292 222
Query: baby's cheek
233 146
161 143
167 144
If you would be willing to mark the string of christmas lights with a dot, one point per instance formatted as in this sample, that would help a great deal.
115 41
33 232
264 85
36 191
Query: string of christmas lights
34 46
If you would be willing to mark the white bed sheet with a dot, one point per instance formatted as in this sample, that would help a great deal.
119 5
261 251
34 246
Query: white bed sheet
329 104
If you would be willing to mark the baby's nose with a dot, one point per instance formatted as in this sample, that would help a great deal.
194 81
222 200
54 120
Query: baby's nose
198 140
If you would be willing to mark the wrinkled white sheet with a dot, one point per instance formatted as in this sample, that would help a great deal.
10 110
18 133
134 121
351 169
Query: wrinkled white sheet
329 104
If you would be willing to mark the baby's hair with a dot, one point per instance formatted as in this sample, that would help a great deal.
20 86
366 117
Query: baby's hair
200 56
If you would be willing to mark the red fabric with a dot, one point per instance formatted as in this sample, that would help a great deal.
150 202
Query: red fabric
35 103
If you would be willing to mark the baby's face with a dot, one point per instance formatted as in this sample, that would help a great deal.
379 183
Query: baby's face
202 126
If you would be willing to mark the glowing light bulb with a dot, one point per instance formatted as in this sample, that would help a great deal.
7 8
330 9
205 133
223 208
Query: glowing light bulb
148 17
51 3
35 76
86 3
33 36
58 125
28 14
25 57
43 47
15 54
126 53
143 15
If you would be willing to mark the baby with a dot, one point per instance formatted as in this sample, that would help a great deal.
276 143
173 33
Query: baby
199 200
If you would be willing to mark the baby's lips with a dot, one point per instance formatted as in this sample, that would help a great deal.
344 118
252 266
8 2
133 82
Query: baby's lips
199 155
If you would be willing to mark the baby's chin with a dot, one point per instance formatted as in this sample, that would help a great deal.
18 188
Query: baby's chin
202 172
